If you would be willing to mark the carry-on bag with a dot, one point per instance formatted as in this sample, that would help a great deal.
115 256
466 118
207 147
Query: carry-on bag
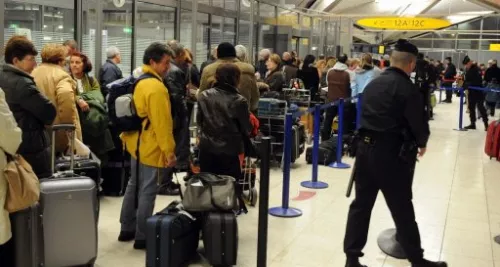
327 152
172 237
27 237
210 192
90 167
69 208
492 144
220 238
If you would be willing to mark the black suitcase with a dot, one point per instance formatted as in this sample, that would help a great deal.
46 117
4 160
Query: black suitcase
327 152
171 238
220 238
27 237
115 177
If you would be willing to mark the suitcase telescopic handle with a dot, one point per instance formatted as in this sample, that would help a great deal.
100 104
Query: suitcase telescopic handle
63 127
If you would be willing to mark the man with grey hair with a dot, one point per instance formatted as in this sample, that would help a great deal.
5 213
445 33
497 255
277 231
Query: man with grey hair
241 53
110 71
394 130
261 67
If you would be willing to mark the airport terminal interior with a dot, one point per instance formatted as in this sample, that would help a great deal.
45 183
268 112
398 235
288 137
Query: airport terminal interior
455 187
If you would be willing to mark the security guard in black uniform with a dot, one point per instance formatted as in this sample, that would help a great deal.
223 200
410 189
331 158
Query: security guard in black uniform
394 130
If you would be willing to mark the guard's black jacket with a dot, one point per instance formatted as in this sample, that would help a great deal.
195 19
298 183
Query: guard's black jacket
393 104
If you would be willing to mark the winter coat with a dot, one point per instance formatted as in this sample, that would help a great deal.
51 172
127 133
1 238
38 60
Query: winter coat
32 111
109 73
58 86
10 139
492 72
248 83
95 122
289 73
275 80
339 82
152 102
362 78
310 77
223 118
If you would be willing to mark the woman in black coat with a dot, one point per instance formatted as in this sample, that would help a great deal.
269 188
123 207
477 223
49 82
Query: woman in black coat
309 75
32 110
274 78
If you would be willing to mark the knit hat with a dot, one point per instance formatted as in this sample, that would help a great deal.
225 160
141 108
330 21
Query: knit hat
225 50
466 60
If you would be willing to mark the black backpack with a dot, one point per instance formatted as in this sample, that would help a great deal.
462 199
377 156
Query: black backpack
121 108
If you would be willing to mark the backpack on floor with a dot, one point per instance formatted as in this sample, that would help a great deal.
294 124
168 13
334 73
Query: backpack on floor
121 107
492 145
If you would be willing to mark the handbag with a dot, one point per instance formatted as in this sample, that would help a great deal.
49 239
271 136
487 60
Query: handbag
209 192
23 185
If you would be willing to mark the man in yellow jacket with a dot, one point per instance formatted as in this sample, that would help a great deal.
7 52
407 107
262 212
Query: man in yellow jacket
156 148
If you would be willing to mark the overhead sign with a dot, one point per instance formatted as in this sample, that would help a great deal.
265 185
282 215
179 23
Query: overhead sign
402 23
494 47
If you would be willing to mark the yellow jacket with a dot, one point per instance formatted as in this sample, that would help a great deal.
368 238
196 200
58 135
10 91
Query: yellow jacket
152 102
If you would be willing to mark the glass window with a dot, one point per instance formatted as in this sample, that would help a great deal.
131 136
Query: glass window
230 5
218 3
186 28
202 45
245 6
41 24
117 31
155 23
216 31
89 32
267 31
229 30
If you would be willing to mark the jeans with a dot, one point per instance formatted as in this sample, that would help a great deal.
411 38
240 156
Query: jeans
132 219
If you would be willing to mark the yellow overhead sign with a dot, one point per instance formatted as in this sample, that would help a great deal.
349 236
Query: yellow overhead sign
402 23
494 47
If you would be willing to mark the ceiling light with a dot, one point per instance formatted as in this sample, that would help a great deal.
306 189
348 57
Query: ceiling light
475 13
457 18
60 27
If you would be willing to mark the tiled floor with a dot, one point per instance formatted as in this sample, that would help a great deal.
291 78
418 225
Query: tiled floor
456 192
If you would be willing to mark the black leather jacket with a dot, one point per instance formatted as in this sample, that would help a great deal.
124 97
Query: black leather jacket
31 109
223 119
175 81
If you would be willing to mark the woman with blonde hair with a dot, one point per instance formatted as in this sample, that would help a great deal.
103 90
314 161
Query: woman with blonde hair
274 77
322 71
364 75
58 86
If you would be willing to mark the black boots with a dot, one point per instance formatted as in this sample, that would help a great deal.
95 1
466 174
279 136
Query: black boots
471 127
353 262
426 263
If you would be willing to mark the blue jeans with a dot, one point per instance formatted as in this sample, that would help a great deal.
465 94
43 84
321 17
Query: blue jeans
132 219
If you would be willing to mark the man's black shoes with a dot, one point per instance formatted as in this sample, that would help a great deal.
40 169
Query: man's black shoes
426 263
353 262
470 127
140 244
126 236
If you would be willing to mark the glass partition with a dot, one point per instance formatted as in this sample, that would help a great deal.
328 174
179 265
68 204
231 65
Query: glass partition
267 30
202 42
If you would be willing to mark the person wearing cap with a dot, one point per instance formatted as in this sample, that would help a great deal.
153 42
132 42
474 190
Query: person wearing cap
394 130
474 78
226 53
449 78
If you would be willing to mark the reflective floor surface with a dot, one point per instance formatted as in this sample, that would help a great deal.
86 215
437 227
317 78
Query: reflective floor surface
456 197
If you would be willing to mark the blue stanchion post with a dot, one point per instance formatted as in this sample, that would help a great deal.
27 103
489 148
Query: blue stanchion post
285 210
314 183
461 112
358 111
339 164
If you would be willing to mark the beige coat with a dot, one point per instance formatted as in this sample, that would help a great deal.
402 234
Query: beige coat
10 139
58 86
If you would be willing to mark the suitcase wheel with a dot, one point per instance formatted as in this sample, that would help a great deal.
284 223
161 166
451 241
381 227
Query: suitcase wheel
254 195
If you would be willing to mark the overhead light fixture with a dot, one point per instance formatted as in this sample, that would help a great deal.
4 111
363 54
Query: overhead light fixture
454 19
475 13
60 27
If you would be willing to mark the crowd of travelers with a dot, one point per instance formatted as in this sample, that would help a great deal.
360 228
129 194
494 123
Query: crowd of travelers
226 88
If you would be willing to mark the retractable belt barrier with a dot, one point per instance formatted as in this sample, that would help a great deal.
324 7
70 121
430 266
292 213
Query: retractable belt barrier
285 211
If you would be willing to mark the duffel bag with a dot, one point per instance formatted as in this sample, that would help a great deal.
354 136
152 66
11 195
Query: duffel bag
209 192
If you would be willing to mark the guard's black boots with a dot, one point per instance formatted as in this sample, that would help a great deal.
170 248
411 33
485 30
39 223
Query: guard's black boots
470 127
426 263
353 262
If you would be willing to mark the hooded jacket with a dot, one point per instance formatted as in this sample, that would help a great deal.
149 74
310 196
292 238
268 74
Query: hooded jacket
339 82
10 139
223 118
32 111
248 82
362 78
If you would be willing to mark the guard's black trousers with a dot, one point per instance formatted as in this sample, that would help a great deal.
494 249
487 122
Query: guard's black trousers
476 99
378 167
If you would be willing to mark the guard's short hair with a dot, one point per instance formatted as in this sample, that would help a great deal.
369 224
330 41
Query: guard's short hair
112 52
228 73
402 58
18 47
156 51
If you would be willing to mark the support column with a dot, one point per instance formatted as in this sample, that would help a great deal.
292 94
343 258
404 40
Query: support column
78 22
134 34
2 22
252 29
98 37
346 31
194 28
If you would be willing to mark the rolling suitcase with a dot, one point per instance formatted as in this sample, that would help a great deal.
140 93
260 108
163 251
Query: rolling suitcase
82 167
492 144
220 238
27 237
172 238
69 208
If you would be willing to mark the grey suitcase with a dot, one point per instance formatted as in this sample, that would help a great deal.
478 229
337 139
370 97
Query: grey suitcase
27 237
69 208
